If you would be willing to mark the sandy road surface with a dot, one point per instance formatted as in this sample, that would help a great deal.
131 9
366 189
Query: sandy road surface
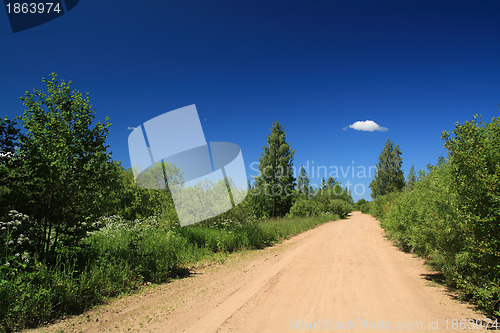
343 274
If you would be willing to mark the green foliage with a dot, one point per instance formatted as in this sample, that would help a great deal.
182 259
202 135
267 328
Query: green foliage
303 183
338 207
9 165
389 176
274 186
68 173
320 205
152 248
380 206
474 151
134 202
363 206
359 203
256 234
44 293
424 220
9 135
304 207
412 178
330 198
451 215
322 186
233 218
334 190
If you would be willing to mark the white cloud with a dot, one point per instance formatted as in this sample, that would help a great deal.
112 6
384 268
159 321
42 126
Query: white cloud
367 126
131 128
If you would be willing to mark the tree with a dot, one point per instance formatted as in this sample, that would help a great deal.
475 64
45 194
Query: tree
303 183
323 184
412 178
389 176
361 202
331 182
335 189
9 136
474 154
275 184
69 172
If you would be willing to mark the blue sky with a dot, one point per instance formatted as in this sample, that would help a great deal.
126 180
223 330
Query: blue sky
414 67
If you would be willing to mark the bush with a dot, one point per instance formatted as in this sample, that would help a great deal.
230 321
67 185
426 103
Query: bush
305 207
365 208
451 216
339 207
320 205
380 206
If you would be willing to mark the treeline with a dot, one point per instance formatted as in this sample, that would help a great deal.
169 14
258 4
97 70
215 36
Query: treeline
450 214
276 192
75 228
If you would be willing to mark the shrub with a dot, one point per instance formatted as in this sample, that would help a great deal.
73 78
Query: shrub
339 207
365 208
451 216
320 205
305 207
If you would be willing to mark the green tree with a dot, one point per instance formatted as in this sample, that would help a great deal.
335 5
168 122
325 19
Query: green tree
69 172
421 175
389 176
474 153
335 190
303 183
323 184
412 178
275 184
361 202
9 136
330 183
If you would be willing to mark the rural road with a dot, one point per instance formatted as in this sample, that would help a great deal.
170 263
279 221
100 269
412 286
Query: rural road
343 275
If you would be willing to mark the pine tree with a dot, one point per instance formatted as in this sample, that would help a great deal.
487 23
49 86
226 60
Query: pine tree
389 176
303 183
323 184
276 183
412 178
9 163
334 188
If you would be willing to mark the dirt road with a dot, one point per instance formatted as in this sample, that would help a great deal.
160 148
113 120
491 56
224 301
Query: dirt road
341 276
